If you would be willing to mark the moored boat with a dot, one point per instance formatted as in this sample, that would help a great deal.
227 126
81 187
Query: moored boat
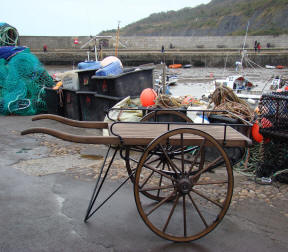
174 66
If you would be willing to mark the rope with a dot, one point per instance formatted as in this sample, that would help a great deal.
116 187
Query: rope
224 98
8 35
166 101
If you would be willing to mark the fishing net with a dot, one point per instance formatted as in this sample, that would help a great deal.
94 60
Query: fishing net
8 35
22 83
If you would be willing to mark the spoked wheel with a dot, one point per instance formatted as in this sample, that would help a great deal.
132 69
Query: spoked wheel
156 157
193 200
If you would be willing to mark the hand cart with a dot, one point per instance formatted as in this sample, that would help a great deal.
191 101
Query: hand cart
180 192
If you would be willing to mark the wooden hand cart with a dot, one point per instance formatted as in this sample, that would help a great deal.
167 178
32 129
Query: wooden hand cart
177 194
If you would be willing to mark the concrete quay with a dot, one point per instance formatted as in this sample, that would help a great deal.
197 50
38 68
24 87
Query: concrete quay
197 57
46 183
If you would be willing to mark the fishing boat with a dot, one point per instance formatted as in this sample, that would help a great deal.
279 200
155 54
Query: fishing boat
241 86
171 79
245 89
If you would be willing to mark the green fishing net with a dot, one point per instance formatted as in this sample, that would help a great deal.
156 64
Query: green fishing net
22 85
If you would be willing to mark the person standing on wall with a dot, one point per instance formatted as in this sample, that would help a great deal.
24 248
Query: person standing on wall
258 47
255 46
45 48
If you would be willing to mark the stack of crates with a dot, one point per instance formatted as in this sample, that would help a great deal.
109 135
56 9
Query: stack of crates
85 96
97 94
71 101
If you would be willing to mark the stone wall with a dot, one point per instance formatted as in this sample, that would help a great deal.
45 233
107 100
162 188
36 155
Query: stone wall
155 42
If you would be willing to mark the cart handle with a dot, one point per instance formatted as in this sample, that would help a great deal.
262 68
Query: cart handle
74 138
74 123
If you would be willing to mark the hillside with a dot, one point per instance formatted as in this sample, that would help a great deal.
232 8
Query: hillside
217 18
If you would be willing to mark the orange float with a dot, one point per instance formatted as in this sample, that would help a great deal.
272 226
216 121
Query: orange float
175 66
255 133
148 97
279 67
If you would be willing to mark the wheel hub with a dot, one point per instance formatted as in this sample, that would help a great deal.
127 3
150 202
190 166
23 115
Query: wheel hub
184 185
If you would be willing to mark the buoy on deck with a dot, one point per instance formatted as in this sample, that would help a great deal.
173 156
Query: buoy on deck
148 97
255 133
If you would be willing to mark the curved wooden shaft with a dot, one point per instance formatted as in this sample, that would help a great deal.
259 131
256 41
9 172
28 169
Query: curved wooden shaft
74 123
74 138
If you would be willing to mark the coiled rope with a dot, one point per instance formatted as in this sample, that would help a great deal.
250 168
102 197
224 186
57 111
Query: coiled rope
8 35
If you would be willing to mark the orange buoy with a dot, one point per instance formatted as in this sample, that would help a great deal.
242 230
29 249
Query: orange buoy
148 97
175 66
279 67
255 133
286 88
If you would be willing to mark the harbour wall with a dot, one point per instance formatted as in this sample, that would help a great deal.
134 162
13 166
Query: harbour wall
156 42
195 58
133 51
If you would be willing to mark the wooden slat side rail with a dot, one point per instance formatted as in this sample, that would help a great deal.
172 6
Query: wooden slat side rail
74 123
74 138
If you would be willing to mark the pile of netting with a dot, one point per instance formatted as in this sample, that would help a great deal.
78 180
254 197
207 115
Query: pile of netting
22 82
8 35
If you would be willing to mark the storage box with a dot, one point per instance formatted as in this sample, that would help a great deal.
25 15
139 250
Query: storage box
94 106
72 108
85 82
70 81
130 83
54 101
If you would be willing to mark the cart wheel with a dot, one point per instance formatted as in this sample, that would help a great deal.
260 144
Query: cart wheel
193 200
175 116
134 153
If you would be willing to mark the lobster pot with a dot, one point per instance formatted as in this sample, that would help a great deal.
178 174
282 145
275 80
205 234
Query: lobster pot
274 127
273 110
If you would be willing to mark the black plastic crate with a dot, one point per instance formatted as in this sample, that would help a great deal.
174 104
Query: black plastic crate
72 108
236 124
273 118
95 106
85 82
129 83
54 101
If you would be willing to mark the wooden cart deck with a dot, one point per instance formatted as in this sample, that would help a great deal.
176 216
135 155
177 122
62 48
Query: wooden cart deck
144 133
139 133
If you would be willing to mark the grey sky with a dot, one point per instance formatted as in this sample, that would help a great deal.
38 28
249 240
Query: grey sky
81 17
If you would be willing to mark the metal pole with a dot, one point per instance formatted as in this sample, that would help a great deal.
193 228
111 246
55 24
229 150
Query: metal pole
95 48
244 43
164 77
117 40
